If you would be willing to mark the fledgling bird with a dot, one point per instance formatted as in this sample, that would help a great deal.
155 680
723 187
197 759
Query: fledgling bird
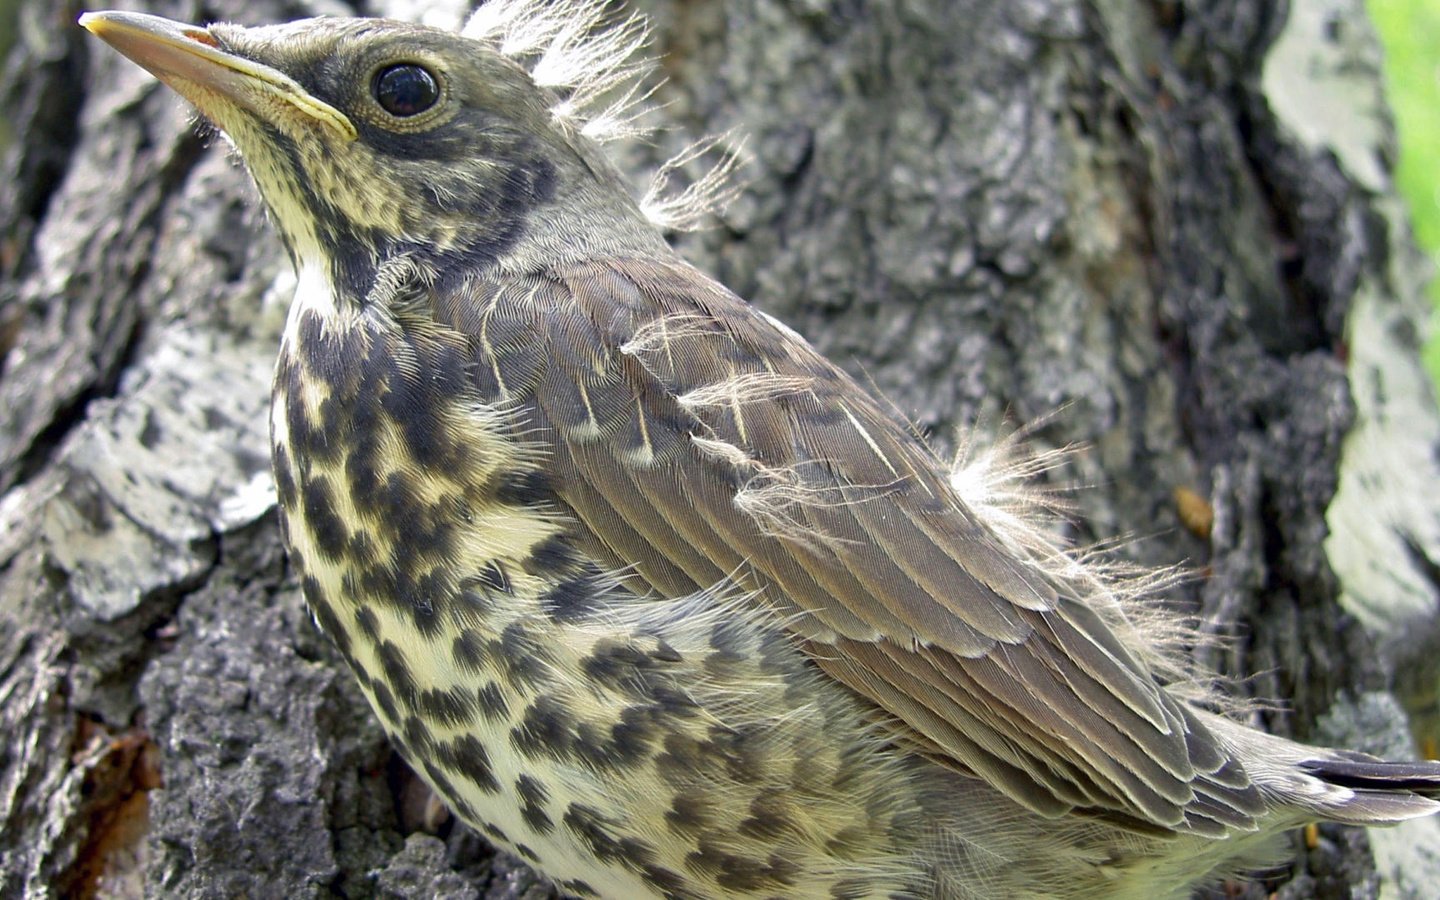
646 589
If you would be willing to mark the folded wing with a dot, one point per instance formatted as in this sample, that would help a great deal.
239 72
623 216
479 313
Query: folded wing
698 439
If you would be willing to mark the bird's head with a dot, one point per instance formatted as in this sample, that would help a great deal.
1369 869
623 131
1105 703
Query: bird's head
373 140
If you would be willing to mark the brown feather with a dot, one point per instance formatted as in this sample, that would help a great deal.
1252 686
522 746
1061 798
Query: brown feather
700 441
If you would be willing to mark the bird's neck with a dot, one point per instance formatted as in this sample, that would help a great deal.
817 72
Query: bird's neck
346 269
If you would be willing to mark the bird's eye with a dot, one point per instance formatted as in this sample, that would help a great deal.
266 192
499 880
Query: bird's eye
405 89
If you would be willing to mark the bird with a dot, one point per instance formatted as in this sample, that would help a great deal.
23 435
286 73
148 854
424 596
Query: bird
647 590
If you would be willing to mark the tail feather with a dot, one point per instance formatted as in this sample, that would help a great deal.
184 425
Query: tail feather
1364 790
1338 785
1378 790
1356 770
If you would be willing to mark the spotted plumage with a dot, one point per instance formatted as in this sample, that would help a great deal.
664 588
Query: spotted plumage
646 589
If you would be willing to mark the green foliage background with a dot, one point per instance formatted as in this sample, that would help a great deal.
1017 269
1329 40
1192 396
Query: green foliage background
1410 31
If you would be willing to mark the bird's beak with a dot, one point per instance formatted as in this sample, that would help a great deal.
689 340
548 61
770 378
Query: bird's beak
191 60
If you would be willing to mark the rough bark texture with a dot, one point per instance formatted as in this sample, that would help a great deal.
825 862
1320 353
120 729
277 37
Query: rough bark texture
1173 223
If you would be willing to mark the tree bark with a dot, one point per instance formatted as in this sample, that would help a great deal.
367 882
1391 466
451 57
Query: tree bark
1166 232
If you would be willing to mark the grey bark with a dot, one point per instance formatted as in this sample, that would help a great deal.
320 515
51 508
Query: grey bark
1167 227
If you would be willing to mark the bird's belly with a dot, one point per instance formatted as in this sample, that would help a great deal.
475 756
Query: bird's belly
620 765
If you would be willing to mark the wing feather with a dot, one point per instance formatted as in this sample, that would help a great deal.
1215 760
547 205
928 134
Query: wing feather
697 440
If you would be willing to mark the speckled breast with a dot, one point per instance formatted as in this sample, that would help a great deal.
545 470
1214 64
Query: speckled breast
625 746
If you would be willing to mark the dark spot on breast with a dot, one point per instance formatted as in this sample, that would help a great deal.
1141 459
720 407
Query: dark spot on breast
466 756
453 706
525 489
421 594
737 749
385 700
674 701
527 854
415 411
321 517
851 889
553 555
531 791
495 833
620 746
722 664
362 468
688 814
381 369
634 735
378 581
735 872
777 655
781 870
682 764
464 810
526 660
686 759
323 612
362 549
728 638
593 831
288 377
314 592
492 703
546 730
424 604
671 884
306 441
367 623
362 677
492 577
468 650
335 415
769 819
418 736
331 355
533 798
579 888
619 667
592 747
571 600
285 489
396 671
402 510
636 853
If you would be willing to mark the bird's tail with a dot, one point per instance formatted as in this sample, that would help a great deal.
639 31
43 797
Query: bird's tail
1365 790
1336 785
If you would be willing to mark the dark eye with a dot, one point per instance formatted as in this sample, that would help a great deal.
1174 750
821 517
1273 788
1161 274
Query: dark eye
405 89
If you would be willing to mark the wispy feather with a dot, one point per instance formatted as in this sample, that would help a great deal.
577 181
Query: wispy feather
595 62
591 58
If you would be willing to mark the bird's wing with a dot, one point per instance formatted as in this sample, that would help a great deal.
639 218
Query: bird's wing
697 439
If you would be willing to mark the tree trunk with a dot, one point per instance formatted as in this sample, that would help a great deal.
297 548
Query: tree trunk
1166 232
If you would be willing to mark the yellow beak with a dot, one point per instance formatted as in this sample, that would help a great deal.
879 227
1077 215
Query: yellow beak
191 60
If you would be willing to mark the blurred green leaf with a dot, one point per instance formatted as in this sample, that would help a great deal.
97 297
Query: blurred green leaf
1410 31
